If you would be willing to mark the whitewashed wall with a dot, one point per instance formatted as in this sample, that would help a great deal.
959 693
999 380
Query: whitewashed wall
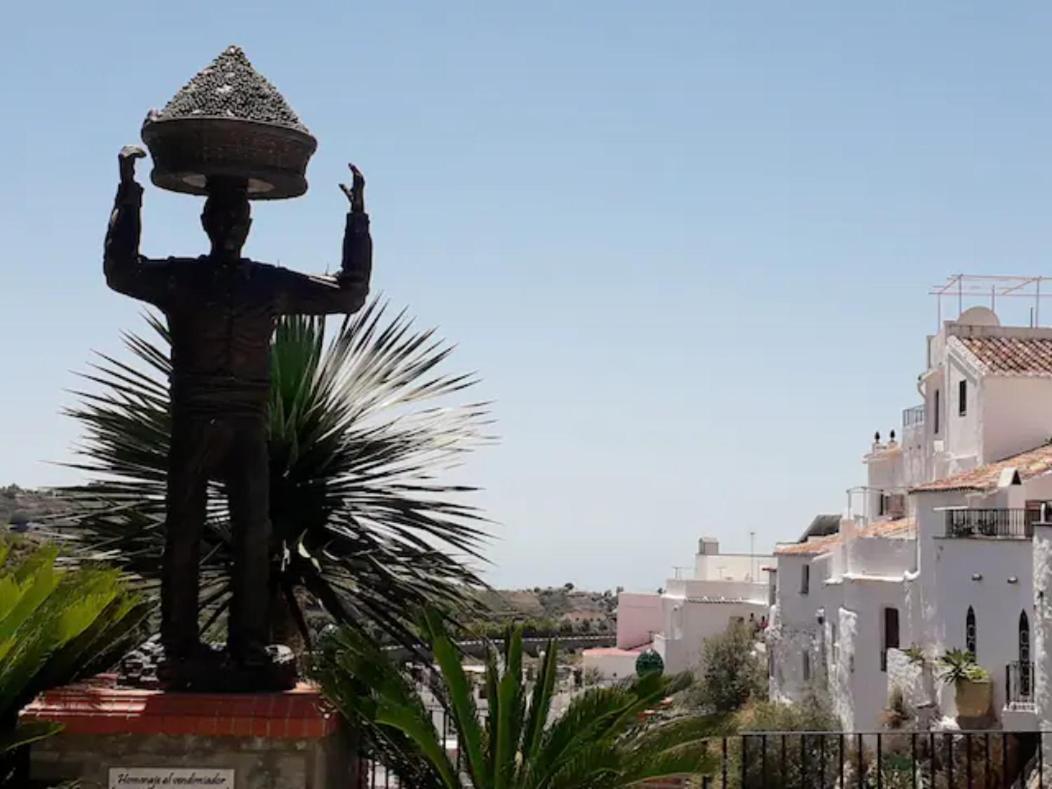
689 623
963 434
1043 633
1016 416
731 566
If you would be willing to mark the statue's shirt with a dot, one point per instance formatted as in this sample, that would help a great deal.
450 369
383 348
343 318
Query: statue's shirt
222 314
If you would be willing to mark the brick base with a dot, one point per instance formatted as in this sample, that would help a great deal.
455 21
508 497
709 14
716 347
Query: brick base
290 740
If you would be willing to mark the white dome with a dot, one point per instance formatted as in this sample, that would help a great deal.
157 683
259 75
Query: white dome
979 316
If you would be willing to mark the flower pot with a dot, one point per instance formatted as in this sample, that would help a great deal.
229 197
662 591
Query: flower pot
974 698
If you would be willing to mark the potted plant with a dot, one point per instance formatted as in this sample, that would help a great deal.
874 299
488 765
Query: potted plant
974 691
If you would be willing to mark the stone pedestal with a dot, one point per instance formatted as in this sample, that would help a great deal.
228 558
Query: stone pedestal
289 740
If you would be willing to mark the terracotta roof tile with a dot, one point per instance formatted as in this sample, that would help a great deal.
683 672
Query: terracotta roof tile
813 546
900 528
1008 355
617 651
1032 463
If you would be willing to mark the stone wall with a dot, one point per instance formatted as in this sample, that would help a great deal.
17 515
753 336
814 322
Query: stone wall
258 762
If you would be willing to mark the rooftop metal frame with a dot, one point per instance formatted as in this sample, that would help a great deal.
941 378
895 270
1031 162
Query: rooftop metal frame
992 287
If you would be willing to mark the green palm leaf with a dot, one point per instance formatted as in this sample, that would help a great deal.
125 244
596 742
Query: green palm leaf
363 426
64 625
602 741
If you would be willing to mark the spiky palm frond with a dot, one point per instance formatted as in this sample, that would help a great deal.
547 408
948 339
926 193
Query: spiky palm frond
56 626
602 741
360 436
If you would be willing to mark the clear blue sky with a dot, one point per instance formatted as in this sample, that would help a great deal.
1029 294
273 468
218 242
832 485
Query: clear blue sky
686 244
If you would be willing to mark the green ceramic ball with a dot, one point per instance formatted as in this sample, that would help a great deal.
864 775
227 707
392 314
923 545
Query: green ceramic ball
649 662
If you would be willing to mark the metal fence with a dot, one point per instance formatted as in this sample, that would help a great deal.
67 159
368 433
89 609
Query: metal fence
1019 685
850 760
1010 523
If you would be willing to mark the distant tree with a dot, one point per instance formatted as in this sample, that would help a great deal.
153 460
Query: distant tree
568 586
733 673
620 589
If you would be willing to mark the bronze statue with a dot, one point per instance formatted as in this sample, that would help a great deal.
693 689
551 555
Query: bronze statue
221 310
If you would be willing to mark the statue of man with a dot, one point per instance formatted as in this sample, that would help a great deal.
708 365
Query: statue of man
221 310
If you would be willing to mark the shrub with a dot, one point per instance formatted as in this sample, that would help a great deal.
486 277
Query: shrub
732 672
792 760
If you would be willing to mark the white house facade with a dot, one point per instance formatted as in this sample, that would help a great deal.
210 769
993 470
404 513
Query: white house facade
697 603
942 548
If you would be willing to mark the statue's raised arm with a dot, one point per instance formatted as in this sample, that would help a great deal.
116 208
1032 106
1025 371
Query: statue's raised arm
302 294
126 270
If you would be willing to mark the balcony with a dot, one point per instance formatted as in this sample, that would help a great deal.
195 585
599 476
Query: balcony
1011 524
1019 686
913 417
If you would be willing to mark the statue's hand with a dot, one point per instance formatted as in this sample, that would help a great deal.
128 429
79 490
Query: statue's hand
356 191
126 160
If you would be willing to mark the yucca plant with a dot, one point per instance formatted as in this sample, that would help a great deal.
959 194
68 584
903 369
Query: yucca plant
604 739
361 432
56 626
958 666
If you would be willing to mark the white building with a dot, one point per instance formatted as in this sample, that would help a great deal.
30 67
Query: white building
938 550
697 603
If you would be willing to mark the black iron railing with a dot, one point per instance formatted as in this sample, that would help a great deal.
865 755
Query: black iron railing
990 759
1019 684
1006 523
913 416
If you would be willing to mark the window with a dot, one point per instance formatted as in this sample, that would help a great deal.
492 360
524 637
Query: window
970 633
962 398
891 635
807 666
805 579
935 416
1025 670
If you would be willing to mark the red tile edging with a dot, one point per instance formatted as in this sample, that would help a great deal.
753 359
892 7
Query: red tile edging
99 708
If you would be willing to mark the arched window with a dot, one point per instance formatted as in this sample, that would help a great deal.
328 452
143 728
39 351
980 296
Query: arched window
969 633
1025 669
1024 638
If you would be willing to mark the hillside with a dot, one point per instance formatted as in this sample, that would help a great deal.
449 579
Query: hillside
559 609
542 610
19 506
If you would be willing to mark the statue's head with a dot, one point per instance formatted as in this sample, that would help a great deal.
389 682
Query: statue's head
227 217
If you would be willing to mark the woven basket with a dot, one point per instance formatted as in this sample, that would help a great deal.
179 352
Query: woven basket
187 151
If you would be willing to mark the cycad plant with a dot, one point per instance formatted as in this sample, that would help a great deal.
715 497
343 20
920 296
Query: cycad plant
56 626
361 434
605 738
